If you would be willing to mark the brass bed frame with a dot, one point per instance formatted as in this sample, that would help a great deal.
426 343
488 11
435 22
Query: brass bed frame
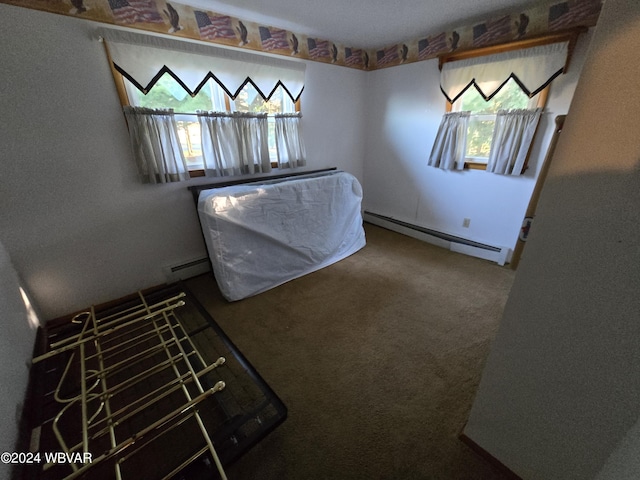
149 388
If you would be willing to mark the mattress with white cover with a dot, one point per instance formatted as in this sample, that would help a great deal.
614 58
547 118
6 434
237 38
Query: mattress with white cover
262 235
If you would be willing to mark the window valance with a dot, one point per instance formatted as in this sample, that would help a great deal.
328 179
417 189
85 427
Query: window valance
143 59
532 68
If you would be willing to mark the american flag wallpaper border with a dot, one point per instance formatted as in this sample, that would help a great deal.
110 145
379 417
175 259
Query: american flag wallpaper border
175 19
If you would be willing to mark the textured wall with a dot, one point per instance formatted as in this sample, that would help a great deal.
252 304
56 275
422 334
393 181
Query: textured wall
402 122
560 390
79 226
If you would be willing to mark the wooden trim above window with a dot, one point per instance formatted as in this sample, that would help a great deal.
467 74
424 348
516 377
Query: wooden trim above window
117 79
570 36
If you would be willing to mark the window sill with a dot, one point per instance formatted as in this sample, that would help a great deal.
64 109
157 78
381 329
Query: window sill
475 166
483 166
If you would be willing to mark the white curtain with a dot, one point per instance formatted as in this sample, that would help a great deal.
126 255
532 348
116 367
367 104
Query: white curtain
289 143
142 58
449 148
234 143
533 68
156 145
512 137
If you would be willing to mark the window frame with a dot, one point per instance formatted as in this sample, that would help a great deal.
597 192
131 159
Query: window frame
469 163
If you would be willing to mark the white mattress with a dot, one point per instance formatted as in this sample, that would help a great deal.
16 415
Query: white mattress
262 235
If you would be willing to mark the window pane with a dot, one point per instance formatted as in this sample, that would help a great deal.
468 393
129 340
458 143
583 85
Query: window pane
249 100
482 120
509 97
167 93
189 134
287 104
479 136
281 102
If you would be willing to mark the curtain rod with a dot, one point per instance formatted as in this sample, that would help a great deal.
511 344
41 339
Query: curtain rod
570 36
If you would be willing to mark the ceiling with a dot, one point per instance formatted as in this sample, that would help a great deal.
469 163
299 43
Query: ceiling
365 24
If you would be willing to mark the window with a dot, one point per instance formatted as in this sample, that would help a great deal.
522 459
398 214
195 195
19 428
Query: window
249 100
182 121
483 117
168 93
496 136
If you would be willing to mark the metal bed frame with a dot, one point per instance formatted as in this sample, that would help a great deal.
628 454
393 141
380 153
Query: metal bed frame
152 386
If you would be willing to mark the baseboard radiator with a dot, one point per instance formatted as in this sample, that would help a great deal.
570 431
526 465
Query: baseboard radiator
199 266
188 269
500 255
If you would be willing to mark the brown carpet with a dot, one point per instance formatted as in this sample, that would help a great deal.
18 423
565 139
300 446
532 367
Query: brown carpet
377 358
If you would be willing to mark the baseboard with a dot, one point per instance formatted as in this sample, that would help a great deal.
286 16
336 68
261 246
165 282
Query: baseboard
500 255
495 463
188 269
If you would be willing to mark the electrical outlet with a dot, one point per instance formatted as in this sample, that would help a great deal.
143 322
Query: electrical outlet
466 222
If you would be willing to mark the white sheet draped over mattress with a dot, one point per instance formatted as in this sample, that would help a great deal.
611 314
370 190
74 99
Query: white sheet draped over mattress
262 235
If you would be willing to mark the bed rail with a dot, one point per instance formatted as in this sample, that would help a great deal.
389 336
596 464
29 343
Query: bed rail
196 189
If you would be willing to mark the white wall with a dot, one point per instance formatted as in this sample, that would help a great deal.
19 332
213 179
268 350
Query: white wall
19 323
405 107
79 227
560 394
